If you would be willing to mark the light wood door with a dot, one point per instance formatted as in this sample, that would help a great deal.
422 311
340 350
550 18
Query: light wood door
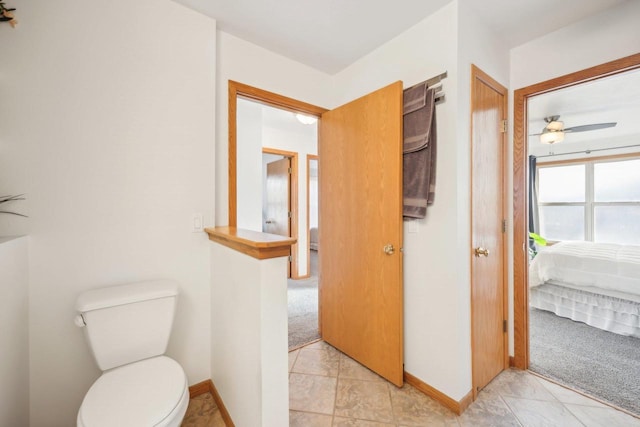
277 219
360 213
488 292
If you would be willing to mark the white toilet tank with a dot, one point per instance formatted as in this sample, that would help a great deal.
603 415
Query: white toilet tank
127 323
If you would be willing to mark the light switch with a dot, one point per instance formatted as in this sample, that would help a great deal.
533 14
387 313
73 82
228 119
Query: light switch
197 223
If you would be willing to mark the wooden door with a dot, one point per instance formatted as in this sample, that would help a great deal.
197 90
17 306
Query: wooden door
488 290
277 220
361 213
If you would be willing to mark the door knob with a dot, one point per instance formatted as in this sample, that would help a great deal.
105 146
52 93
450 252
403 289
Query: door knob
388 249
481 252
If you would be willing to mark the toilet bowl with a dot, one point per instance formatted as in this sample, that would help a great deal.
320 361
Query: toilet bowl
128 329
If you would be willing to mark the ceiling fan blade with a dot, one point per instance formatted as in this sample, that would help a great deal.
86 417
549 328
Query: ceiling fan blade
535 134
595 126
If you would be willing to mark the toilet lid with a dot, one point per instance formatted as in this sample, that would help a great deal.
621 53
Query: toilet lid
143 393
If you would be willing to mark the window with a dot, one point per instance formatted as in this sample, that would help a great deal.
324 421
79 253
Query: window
594 200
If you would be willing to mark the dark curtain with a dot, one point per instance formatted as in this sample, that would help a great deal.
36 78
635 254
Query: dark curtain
533 201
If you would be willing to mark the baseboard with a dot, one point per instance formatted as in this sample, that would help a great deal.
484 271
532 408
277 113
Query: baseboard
197 389
208 387
457 407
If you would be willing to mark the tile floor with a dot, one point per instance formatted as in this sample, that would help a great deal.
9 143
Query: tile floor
203 412
327 388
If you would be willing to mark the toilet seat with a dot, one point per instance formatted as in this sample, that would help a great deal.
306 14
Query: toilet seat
151 392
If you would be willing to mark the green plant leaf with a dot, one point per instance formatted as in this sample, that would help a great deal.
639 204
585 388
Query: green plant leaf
538 239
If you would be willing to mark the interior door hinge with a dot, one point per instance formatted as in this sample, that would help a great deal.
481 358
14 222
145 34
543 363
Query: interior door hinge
504 326
289 214
504 225
504 126
290 258
289 170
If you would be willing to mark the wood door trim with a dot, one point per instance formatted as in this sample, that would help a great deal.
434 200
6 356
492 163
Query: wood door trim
253 243
199 389
264 97
293 205
520 203
478 74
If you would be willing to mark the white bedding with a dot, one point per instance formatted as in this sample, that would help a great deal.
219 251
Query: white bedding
620 316
588 264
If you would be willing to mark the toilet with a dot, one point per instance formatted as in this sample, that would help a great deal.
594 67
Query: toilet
128 328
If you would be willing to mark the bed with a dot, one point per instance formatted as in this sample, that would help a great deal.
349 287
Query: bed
594 283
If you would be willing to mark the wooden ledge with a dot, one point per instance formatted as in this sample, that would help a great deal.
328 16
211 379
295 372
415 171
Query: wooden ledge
253 243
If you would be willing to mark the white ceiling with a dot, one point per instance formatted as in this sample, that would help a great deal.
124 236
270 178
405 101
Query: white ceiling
611 99
520 21
329 35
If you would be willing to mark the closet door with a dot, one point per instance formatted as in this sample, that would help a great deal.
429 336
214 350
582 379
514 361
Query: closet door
360 230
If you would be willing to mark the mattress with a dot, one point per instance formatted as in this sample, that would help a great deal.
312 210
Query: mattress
601 308
589 265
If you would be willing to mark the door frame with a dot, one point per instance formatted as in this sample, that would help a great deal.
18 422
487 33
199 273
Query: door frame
520 196
478 74
271 99
293 204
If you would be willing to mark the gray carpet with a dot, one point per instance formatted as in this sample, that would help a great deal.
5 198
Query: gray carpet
303 311
303 307
599 363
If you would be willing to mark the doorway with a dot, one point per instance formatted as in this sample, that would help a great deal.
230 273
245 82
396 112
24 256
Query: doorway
376 325
520 193
583 164
278 133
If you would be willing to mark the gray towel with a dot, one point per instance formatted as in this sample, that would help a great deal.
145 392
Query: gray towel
419 148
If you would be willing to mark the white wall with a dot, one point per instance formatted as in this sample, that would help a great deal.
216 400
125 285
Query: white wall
600 38
477 45
313 193
249 165
436 333
249 361
436 268
14 331
108 126
247 63
431 287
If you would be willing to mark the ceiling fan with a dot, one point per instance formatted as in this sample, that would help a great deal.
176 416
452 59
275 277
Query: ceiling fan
554 130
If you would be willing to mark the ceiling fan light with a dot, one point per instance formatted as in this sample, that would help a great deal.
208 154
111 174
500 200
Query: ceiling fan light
551 137
555 125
